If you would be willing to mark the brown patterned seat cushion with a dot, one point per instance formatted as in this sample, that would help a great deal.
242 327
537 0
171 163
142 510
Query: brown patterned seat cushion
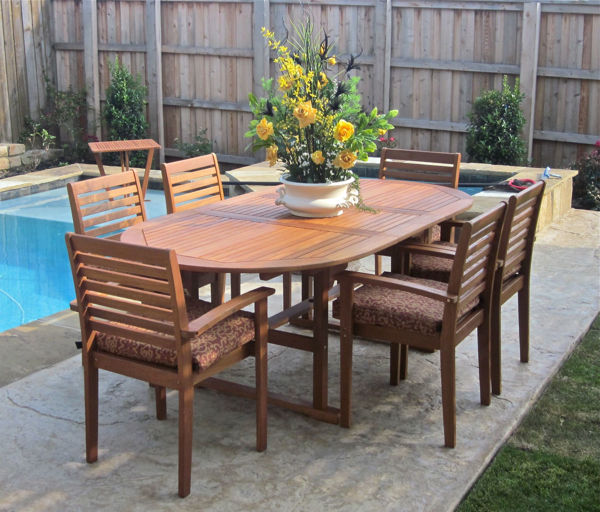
376 305
432 267
221 339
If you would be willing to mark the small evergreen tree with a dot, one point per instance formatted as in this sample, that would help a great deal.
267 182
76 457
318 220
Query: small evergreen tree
124 110
495 124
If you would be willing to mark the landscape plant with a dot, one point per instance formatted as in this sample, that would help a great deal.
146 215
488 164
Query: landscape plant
200 146
586 185
125 109
495 125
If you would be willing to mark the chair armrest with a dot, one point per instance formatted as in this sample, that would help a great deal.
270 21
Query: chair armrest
73 305
428 249
398 284
201 324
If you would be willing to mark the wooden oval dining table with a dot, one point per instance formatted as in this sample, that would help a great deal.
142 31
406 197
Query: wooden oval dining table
250 234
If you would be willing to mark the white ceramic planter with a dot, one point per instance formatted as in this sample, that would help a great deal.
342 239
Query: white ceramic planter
316 199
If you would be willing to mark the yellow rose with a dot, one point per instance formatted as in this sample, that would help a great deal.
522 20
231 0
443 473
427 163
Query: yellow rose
317 157
331 61
264 129
285 83
305 113
343 130
272 155
345 159
381 131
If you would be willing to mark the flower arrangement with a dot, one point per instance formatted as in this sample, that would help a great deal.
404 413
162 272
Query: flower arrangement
313 121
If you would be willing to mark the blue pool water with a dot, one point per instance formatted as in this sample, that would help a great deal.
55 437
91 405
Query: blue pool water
35 276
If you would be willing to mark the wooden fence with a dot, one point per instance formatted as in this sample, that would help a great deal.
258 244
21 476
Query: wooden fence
428 59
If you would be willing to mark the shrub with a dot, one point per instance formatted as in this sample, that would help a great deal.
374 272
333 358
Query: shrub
124 110
586 185
66 110
495 124
200 146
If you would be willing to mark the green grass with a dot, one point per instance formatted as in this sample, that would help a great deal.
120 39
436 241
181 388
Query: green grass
552 462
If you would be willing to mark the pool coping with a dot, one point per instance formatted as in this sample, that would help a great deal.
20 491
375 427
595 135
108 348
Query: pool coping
556 202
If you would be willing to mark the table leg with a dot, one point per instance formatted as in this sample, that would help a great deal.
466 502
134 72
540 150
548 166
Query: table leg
321 337
98 158
147 172
124 157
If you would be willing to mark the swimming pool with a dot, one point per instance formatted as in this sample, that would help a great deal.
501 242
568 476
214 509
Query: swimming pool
35 276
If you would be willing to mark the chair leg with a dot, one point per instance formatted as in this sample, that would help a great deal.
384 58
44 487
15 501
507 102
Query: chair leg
236 285
186 417
160 396
448 375
90 377
524 322
260 357
398 363
496 346
483 351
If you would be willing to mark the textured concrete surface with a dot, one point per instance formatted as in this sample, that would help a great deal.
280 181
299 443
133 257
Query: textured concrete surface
392 459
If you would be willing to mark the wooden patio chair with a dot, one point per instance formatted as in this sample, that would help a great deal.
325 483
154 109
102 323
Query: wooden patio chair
513 274
403 310
107 205
194 182
412 165
135 321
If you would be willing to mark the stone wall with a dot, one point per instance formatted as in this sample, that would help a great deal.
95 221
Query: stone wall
14 157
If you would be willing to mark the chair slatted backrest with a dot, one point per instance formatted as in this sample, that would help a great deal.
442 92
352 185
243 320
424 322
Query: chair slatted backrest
105 206
127 290
412 165
192 182
516 245
476 256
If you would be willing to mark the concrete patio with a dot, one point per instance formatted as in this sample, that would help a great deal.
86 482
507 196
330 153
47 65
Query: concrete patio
392 459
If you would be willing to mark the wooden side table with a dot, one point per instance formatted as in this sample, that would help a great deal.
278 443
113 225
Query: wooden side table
123 147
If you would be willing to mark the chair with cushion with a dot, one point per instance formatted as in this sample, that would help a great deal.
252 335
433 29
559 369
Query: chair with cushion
514 271
135 321
195 182
403 310
412 165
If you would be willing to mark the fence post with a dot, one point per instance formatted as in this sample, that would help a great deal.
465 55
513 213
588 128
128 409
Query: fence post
530 43
155 89
260 64
90 64
383 38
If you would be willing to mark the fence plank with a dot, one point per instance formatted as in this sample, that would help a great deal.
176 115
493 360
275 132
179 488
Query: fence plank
530 42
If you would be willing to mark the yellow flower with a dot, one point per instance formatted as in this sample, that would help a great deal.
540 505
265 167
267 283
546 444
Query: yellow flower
305 113
345 159
264 129
343 130
317 157
323 80
285 83
381 131
272 155
331 61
